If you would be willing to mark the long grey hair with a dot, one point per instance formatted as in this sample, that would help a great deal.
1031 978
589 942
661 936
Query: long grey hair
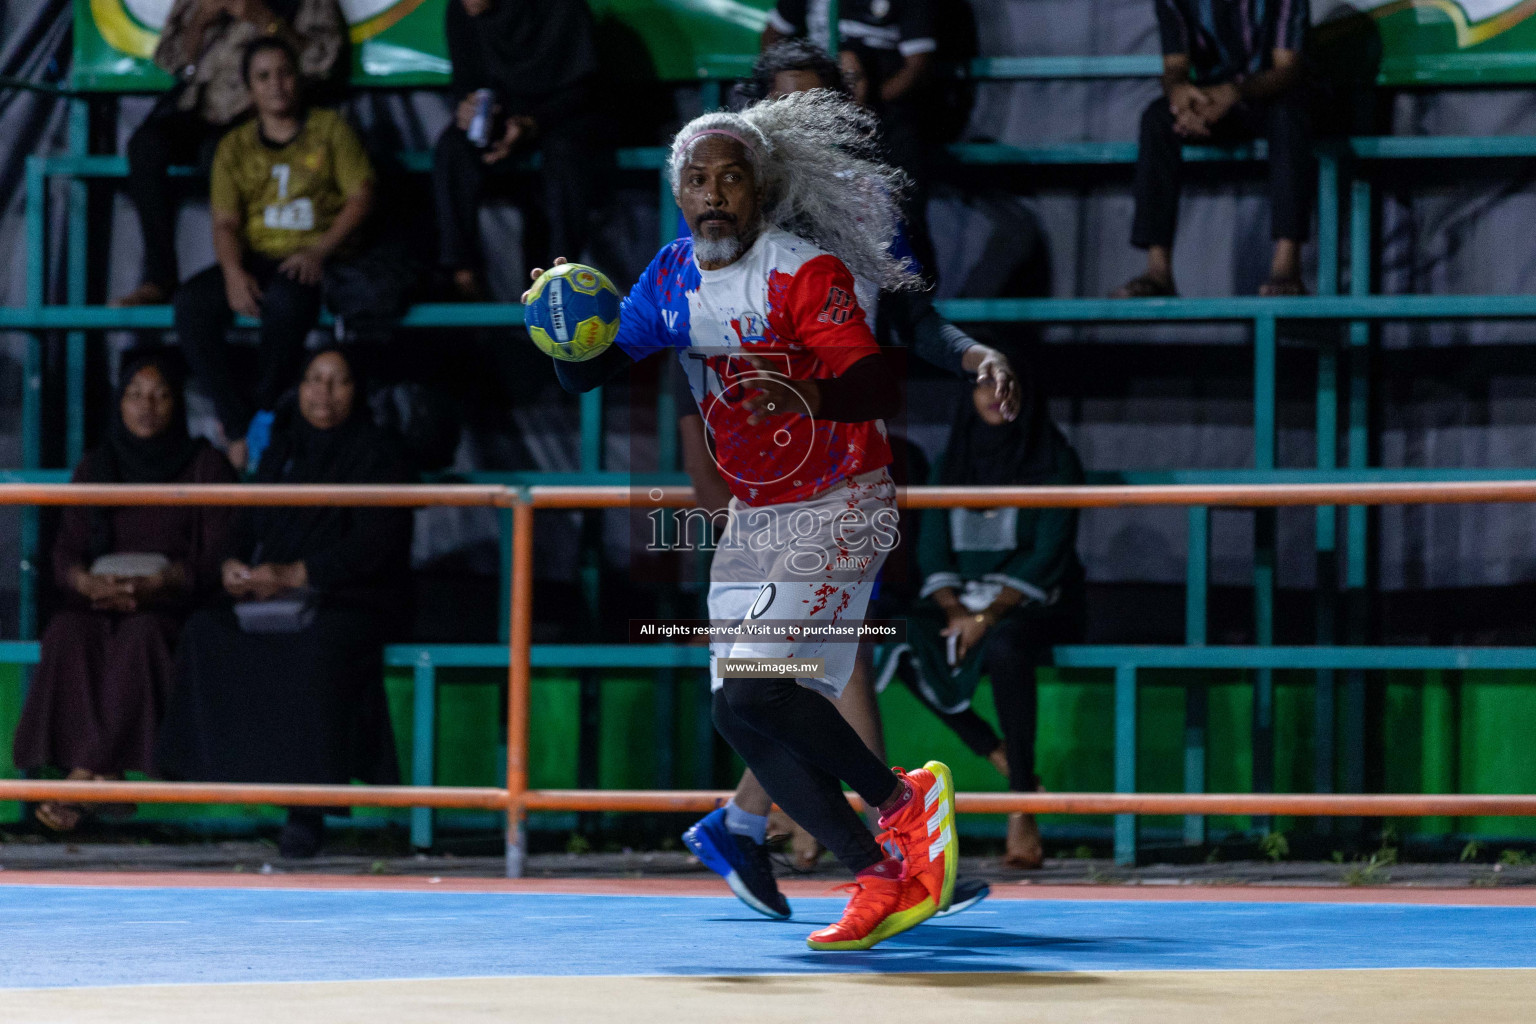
819 177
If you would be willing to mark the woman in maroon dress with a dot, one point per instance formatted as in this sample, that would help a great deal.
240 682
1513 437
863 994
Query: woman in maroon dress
129 577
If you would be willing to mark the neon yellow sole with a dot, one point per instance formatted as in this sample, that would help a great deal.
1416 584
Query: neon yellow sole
952 851
894 925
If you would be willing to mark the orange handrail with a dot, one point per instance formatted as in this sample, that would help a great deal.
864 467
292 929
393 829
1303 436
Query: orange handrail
1297 804
351 495
1459 492
487 798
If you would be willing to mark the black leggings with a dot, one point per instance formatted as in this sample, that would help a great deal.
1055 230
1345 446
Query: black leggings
802 750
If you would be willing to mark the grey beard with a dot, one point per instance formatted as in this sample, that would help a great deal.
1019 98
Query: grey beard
717 250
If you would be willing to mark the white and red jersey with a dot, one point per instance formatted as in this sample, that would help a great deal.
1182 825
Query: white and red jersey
789 301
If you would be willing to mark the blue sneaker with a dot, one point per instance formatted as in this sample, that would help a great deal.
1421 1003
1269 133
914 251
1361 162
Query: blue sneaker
257 437
742 863
968 893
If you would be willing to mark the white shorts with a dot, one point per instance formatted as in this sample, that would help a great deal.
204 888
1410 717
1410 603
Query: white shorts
810 562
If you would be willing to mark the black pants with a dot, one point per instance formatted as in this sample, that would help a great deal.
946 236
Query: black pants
289 311
802 750
168 136
1284 121
557 221
1014 648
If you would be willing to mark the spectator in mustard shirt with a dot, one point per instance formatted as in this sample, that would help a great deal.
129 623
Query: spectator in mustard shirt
290 190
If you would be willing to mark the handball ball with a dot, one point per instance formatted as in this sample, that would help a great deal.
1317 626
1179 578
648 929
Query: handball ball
572 312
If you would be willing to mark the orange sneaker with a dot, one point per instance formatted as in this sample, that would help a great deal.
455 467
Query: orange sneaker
924 831
880 907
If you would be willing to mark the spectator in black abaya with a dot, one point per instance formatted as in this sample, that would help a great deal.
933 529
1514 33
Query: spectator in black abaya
127 579
538 61
286 684
1000 588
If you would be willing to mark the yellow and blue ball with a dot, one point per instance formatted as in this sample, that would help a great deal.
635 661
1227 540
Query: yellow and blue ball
572 312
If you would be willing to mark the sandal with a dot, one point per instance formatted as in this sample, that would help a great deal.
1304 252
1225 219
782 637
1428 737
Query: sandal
1282 287
60 817
1145 286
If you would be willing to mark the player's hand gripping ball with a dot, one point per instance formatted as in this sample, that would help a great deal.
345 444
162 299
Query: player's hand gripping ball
572 312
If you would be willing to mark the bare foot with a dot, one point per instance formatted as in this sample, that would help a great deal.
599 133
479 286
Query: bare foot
1024 849
146 294
999 760
807 851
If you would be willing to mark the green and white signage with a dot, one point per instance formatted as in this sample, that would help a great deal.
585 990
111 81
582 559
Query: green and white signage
401 42
1437 42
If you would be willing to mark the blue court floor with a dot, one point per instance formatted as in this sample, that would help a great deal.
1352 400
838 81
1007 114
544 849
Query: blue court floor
70 936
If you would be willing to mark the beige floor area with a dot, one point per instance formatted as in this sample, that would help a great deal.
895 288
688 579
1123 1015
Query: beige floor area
1134 997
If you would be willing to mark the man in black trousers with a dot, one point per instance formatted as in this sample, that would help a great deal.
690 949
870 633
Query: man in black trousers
1232 71
536 62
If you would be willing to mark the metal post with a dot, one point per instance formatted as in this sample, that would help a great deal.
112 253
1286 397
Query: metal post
504 552
519 682
1327 573
1125 760
666 209
834 27
37 231
1264 354
1196 696
1356 521
1197 575
424 745
1327 220
1264 398
74 341
666 679
592 431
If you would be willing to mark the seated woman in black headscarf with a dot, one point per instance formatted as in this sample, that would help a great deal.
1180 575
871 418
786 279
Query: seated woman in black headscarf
285 682
1002 587
127 579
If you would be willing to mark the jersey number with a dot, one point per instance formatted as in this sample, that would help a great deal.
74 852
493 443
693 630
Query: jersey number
837 307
